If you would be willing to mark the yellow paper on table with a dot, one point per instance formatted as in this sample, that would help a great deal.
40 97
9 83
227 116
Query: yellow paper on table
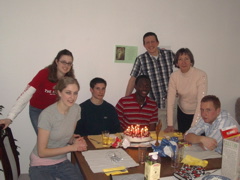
96 140
192 161
116 170
178 134
162 135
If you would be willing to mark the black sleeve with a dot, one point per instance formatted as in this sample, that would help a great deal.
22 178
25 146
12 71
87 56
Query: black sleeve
80 126
115 128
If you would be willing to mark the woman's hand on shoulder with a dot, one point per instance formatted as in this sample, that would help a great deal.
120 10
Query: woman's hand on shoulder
5 122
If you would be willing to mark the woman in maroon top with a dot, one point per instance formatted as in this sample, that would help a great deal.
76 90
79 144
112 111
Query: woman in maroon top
40 91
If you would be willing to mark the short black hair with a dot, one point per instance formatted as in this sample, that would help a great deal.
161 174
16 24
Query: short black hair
142 77
96 80
149 34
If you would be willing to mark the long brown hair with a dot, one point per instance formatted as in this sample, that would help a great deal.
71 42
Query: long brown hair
52 77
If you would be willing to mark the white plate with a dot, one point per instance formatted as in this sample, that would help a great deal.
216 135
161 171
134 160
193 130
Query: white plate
137 140
215 177
144 144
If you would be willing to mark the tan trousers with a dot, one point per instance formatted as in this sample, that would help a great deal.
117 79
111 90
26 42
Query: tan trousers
162 116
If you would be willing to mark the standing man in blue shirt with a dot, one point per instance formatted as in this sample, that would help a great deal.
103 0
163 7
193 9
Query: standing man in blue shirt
157 64
212 120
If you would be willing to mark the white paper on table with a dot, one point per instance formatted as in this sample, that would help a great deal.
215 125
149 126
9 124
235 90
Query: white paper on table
99 159
213 172
137 176
197 151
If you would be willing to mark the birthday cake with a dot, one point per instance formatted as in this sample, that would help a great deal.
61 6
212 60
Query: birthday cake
137 134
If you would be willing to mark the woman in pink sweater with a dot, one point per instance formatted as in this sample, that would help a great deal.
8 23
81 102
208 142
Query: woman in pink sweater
189 85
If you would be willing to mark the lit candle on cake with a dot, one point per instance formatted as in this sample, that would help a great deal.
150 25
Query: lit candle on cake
137 131
145 130
132 129
142 132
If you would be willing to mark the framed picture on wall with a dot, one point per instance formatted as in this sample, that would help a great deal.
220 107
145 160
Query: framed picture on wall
125 54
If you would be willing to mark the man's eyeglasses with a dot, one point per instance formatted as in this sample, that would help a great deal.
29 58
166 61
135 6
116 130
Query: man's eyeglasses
66 63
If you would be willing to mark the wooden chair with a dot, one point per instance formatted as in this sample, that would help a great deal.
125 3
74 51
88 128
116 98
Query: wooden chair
9 157
237 110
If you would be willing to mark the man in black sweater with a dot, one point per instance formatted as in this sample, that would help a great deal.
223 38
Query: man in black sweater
97 114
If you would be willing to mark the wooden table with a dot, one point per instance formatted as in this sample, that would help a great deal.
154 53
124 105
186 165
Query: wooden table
166 169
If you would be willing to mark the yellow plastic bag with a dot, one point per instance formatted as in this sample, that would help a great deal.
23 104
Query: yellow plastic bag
192 161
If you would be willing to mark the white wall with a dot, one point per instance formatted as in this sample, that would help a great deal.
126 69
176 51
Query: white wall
32 32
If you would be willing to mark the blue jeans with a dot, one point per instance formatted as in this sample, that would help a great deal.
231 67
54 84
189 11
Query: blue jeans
34 114
63 171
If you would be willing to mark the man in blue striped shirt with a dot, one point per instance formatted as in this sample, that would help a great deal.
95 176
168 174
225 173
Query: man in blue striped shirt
213 119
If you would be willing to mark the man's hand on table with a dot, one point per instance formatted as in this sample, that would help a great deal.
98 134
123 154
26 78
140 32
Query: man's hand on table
169 129
208 143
